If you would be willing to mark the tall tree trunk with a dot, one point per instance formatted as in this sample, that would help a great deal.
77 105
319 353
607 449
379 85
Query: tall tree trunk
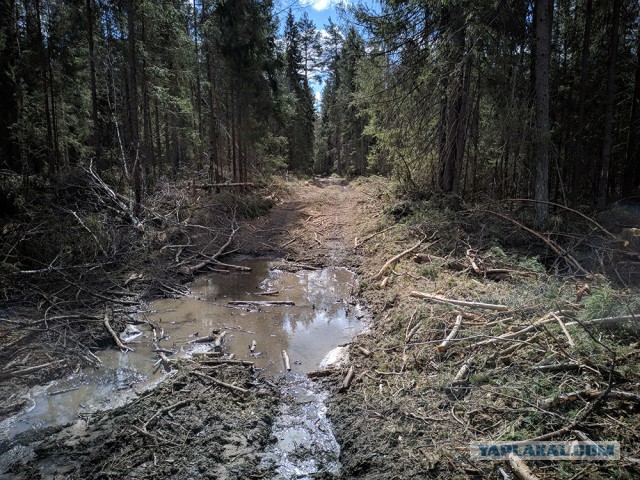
92 77
9 99
631 161
578 160
453 21
45 84
543 53
134 136
607 137
146 110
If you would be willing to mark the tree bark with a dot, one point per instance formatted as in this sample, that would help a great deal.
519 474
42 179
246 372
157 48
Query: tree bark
578 161
543 52
631 161
92 77
134 136
607 135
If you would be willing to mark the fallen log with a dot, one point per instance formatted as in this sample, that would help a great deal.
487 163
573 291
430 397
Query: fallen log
249 303
462 303
443 346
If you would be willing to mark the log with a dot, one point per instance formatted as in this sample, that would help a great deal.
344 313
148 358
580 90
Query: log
346 383
270 293
366 352
443 346
462 303
520 468
249 303
384 268
285 359
320 373
124 348
27 370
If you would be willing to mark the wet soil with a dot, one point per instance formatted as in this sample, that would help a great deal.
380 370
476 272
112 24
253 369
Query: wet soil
276 427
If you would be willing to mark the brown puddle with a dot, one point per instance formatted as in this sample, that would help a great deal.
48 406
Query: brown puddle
320 320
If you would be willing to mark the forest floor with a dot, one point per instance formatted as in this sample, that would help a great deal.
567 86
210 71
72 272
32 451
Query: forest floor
524 359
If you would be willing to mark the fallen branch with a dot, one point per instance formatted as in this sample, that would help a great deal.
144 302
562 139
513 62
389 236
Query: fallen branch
384 268
512 335
520 468
588 395
607 320
28 370
320 373
462 303
234 388
561 252
443 346
249 303
346 383
356 244
124 348
286 361
564 330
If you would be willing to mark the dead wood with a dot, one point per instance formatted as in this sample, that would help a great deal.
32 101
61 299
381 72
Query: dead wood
270 293
28 370
462 303
564 330
286 361
588 395
512 335
346 383
107 315
253 346
209 186
561 252
164 410
520 468
320 373
366 352
607 320
443 346
394 259
222 361
357 244
231 387
249 303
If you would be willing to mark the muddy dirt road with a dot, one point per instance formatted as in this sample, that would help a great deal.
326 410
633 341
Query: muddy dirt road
214 418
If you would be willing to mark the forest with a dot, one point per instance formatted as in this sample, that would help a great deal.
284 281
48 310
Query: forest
500 99
241 242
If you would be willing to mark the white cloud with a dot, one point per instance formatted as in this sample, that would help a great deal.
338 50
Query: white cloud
318 5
